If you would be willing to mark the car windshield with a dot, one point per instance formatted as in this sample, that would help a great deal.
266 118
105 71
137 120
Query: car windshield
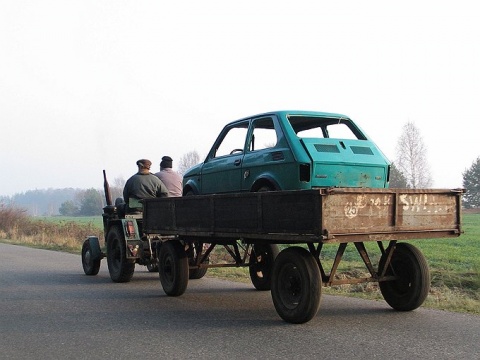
324 127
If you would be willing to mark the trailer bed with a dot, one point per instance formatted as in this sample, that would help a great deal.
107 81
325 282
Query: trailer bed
319 215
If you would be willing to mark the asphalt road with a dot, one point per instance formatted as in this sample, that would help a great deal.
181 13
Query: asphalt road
50 310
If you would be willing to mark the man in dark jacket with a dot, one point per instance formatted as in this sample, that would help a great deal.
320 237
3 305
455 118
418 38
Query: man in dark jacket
142 185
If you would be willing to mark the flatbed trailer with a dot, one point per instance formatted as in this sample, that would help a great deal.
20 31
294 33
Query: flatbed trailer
177 237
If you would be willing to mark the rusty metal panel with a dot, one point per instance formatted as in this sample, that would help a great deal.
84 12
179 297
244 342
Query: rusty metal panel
392 211
358 212
426 211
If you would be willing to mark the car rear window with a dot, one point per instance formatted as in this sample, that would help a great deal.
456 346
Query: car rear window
322 127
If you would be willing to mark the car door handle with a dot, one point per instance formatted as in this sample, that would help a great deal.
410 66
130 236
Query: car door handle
237 162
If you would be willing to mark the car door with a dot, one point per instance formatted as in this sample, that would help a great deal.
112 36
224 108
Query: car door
222 171
264 157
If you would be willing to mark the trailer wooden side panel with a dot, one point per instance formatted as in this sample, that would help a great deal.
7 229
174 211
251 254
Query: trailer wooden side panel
337 214
403 213
272 212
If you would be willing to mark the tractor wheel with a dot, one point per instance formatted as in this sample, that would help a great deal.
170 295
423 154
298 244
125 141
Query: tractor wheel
90 265
120 269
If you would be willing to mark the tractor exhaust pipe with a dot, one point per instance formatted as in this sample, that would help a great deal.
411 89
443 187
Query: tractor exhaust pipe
106 188
109 209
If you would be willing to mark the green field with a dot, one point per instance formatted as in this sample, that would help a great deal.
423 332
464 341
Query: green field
93 220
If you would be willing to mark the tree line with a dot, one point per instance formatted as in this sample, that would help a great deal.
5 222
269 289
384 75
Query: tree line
51 202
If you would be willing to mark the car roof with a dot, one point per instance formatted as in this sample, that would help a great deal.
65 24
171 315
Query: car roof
285 113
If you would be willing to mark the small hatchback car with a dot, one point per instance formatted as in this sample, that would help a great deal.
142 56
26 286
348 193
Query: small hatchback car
289 150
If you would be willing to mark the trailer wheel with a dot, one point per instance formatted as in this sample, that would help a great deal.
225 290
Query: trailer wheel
90 266
193 254
120 269
411 288
196 274
173 267
262 259
296 285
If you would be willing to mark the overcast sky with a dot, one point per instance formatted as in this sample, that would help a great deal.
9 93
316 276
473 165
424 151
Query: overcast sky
93 85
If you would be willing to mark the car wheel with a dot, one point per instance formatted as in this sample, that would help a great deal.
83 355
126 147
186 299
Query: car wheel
266 187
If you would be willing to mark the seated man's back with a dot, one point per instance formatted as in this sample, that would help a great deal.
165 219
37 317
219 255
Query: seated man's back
142 185
171 179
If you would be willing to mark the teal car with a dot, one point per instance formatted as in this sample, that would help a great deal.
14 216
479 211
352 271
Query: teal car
289 150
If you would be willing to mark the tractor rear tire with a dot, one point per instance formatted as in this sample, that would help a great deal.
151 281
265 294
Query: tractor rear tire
120 268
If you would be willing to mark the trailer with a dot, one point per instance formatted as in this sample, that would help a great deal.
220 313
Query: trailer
176 236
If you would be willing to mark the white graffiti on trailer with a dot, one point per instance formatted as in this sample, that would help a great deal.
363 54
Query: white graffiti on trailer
420 203
375 206
411 203
351 208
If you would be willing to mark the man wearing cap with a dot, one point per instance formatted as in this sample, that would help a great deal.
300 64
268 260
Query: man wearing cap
142 185
171 179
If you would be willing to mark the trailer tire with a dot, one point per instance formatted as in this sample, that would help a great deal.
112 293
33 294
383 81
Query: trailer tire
90 262
410 290
196 274
193 253
120 268
173 267
261 263
296 285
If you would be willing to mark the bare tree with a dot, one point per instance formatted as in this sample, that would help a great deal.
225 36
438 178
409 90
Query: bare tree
119 182
117 188
397 179
187 161
412 158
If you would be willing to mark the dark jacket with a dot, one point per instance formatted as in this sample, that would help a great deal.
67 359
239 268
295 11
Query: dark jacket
144 186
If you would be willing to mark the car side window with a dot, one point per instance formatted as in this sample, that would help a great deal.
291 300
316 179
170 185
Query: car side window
233 142
263 136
